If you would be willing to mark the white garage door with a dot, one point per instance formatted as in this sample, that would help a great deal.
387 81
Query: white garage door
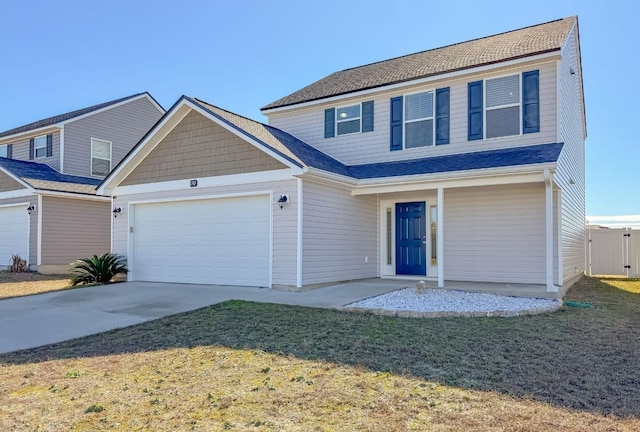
14 233
222 241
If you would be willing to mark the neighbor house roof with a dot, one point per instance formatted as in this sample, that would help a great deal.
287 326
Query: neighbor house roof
516 44
51 121
42 176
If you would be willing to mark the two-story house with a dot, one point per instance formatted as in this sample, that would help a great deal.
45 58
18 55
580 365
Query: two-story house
50 214
461 163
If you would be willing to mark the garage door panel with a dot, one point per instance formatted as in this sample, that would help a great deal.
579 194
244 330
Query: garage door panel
14 233
213 241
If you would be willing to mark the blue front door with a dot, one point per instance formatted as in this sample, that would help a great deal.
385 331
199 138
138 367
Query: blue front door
411 249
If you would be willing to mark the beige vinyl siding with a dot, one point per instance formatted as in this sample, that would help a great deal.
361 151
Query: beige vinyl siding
338 232
495 234
20 151
284 221
74 228
8 183
308 123
571 164
198 147
33 226
123 125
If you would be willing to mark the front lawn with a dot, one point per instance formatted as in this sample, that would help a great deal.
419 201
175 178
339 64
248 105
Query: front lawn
249 366
21 284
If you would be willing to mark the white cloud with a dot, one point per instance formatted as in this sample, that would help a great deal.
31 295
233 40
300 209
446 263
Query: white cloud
628 221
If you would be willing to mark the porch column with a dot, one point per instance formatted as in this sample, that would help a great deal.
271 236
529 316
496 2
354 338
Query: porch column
440 241
548 193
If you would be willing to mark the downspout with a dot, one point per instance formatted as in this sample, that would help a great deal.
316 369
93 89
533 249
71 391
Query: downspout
548 189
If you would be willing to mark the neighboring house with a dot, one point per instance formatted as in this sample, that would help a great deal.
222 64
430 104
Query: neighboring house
49 171
462 163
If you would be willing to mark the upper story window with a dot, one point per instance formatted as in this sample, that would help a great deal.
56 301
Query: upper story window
348 119
420 119
504 106
5 151
41 147
100 157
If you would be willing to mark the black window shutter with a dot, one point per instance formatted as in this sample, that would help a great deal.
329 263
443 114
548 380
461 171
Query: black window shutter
367 116
530 102
329 123
474 124
9 151
49 145
442 116
396 123
31 144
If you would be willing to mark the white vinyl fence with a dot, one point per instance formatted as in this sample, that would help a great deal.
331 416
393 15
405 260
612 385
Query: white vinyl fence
614 252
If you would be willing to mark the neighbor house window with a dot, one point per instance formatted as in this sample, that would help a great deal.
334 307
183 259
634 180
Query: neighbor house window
4 151
100 157
40 146
348 119
504 106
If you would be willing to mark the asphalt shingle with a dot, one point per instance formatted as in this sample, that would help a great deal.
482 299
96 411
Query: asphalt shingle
63 117
525 42
29 171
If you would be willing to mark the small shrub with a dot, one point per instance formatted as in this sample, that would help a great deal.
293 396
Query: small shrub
97 269
18 265
94 409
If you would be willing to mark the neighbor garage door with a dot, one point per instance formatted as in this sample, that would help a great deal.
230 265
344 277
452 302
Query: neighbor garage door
14 233
213 241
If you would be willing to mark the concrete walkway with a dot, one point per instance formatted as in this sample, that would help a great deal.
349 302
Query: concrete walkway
32 321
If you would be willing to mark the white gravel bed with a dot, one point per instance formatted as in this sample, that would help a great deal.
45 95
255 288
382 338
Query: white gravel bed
439 300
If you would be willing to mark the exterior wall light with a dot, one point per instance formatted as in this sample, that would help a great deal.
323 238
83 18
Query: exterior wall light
282 201
31 209
116 211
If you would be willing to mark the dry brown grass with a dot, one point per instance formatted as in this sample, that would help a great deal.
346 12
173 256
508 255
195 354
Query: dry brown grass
247 366
21 284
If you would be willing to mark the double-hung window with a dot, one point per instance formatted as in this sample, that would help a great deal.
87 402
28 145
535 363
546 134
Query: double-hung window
100 157
40 146
5 151
420 119
348 119
504 106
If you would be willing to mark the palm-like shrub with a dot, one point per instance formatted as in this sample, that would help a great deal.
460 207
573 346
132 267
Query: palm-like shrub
97 269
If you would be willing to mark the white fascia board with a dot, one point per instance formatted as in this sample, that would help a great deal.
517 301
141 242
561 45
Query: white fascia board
29 134
142 149
243 136
448 75
72 195
481 177
332 179
17 193
205 182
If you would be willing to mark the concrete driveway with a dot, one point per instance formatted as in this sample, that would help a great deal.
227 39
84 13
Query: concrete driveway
29 322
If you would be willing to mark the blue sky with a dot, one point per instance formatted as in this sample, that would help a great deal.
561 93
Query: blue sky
61 56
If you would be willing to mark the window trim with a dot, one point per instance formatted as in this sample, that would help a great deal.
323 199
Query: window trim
92 157
35 147
405 121
337 121
485 109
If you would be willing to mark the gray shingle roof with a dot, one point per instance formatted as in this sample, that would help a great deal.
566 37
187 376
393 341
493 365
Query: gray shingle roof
525 42
42 176
62 117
